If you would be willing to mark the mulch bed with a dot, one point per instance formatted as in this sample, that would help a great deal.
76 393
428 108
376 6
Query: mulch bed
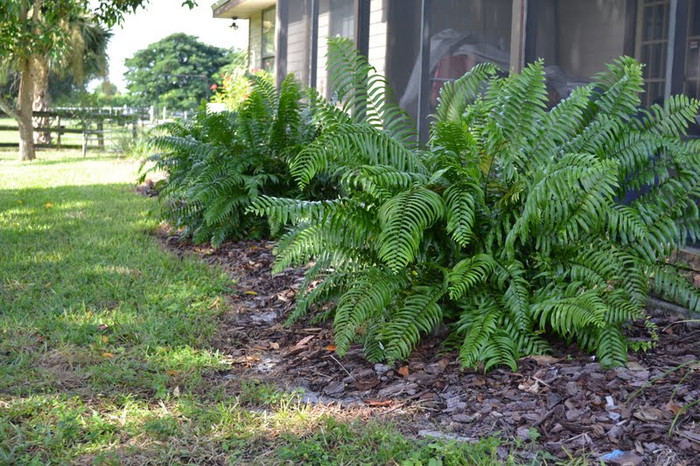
564 404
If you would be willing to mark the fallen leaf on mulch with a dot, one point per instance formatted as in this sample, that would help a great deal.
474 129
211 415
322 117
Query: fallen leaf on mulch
304 341
403 371
674 408
544 359
378 403
566 399
648 413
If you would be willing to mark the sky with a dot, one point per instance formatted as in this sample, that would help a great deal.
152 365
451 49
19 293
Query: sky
162 18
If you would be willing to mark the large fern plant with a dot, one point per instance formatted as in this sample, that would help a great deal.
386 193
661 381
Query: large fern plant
218 163
510 227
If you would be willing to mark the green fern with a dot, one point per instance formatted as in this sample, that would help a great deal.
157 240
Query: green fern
219 163
509 227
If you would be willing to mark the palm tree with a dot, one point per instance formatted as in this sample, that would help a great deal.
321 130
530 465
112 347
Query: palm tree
85 57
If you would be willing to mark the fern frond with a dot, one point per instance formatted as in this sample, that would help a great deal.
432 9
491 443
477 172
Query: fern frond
352 145
567 314
420 313
366 298
668 283
365 95
456 95
469 272
611 347
618 88
403 220
477 324
461 211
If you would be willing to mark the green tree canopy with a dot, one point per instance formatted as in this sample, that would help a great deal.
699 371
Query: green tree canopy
175 71
32 33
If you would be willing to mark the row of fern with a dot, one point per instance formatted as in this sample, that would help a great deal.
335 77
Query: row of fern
217 163
508 229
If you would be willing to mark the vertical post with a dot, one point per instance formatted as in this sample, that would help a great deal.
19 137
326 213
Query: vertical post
59 131
282 23
85 142
630 42
517 36
362 12
313 44
530 46
100 134
677 39
425 71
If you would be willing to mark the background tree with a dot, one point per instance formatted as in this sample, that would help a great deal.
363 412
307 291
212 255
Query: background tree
175 71
32 31
85 58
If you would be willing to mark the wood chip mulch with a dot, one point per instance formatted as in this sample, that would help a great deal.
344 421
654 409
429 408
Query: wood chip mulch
564 404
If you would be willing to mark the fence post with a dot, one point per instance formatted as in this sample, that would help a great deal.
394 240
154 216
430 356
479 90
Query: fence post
134 129
100 135
85 143
59 131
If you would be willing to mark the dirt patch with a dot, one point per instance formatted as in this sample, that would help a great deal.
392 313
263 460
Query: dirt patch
563 404
60 364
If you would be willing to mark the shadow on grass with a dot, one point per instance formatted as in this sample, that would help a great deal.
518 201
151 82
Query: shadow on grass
85 288
105 351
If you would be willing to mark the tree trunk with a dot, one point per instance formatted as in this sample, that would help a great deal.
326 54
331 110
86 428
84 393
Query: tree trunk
24 102
42 99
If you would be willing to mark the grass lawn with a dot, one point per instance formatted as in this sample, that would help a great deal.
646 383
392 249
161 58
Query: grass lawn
8 136
106 342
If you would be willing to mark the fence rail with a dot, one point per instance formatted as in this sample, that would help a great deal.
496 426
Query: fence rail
99 128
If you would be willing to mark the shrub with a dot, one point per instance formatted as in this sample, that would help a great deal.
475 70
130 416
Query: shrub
509 228
235 84
132 147
218 163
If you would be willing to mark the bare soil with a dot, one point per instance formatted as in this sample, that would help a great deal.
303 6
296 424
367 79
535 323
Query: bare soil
564 404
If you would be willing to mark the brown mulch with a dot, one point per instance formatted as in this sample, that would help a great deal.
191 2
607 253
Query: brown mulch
564 404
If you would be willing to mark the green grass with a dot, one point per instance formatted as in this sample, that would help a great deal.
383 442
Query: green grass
106 343
8 136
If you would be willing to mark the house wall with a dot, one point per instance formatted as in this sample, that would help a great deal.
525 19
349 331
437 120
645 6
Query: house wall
255 41
298 31
378 38
324 25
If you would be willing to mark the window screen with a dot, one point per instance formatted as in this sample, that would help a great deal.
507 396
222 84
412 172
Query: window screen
268 40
